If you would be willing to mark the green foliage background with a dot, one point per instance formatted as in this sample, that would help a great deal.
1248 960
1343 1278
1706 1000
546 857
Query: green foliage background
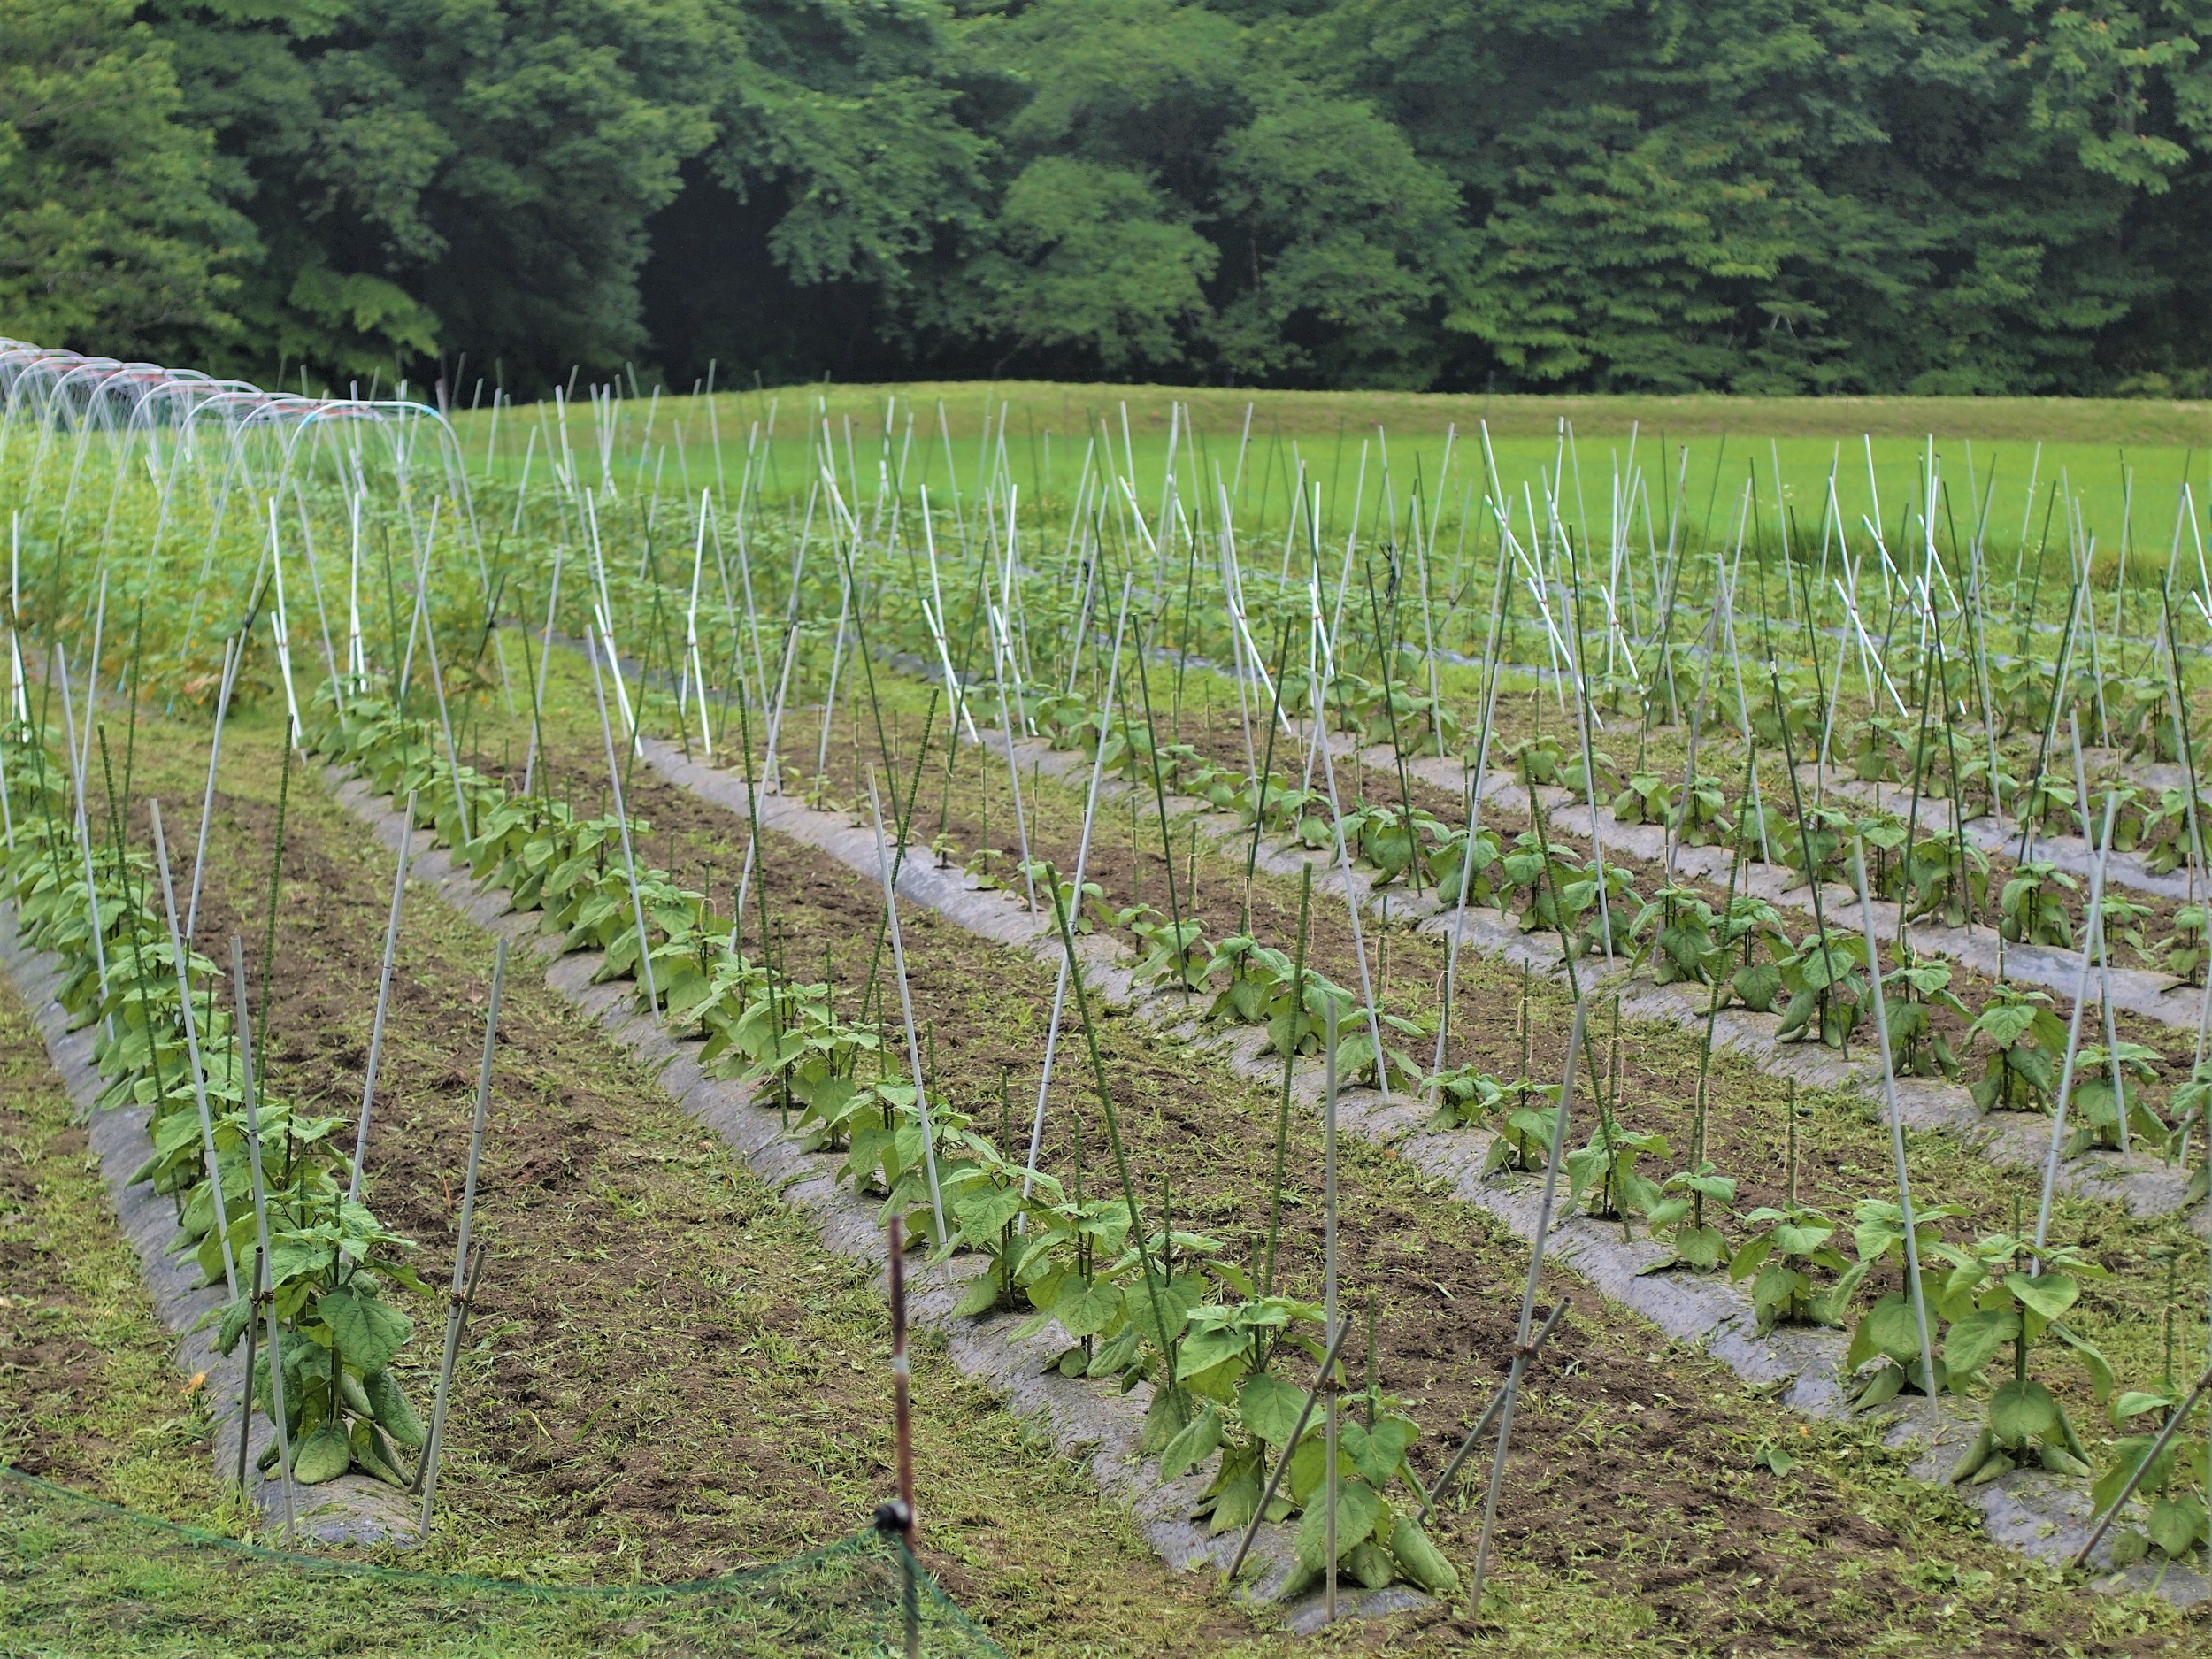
1959 197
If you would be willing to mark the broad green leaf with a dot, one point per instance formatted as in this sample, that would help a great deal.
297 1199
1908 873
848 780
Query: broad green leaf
368 1332
1357 1504
980 1296
1269 1407
1381 1449
322 1455
1167 1416
1974 1340
2134 1403
1175 1298
1191 1445
2100 1369
395 1413
984 1215
1895 1328
1793 1240
298 1255
2023 1409
2176 1523
1087 1310
374 1454
1203 1349
2050 1295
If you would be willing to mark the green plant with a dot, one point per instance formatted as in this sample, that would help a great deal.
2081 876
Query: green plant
1826 836
1800 711
331 1265
1974 778
1648 799
1874 744
1942 880
1580 898
1083 915
1750 924
2024 1038
2122 921
1357 1060
1479 856
1576 779
1540 759
2164 847
1889 1331
1703 819
1786 1247
1376 1539
2095 1110
1417 720
1528 1113
1391 839
1825 980
1172 953
2185 948
2051 803
2129 815
2003 1290
1884 833
1605 1168
1541 873
1913 993
2147 719
2022 690
1677 929
1259 992
1680 1218
2174 1519
1466 1097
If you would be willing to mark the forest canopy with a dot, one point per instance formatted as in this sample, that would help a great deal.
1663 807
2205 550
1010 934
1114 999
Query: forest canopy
1967 197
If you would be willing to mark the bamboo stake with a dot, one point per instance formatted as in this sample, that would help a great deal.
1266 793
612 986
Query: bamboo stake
622 818
2090 931
901 1512
252 1093
383 998
457 1297
906 1003
245 1388
180 959
1082 854
2104 960
1523 1349
1328 1383
234 653
1896 1121
1486 1421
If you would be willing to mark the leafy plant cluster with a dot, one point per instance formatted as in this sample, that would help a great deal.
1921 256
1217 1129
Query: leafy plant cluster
1170 1311
333 1268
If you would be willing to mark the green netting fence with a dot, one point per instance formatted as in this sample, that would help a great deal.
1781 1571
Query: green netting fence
78 1576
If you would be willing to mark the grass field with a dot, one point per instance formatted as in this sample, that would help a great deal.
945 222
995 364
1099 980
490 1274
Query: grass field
2122 460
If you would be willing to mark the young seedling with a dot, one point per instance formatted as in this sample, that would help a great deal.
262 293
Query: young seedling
2024 1040
2005 1290
1914 991
2097 1111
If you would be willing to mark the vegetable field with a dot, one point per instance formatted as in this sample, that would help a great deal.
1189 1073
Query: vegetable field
1406 1036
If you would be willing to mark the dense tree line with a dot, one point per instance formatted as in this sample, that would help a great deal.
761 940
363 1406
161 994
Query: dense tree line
1957 195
